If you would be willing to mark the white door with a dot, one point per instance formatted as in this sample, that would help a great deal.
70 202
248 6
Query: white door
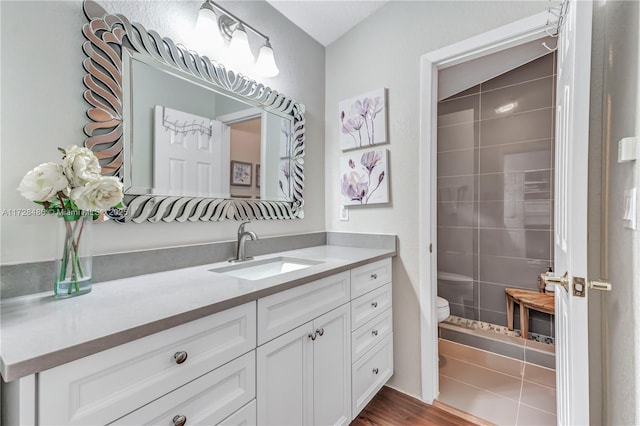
189 155
284 388
332 368
570 239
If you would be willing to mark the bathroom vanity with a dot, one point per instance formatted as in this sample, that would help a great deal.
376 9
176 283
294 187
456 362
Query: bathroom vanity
196 346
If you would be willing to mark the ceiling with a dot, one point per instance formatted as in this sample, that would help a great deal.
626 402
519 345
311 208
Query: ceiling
326 20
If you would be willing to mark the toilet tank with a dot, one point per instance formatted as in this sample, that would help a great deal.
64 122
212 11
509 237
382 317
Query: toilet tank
459 290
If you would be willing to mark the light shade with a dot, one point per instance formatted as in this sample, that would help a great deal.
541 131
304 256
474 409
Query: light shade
239 46
208 38
266 63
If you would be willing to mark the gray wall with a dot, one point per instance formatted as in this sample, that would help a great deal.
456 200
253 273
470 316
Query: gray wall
495 192
384 52
43 108
620 307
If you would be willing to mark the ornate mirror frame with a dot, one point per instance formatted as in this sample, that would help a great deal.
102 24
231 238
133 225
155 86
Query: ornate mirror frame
107 36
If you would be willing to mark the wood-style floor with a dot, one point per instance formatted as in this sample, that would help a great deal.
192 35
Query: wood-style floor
392 408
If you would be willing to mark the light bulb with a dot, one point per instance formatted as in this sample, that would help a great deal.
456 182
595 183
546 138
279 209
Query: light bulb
239 46
266 63
208 38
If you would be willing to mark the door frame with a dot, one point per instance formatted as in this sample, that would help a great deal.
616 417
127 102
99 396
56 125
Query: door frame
510 35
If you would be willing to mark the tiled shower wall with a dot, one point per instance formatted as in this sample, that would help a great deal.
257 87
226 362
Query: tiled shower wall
495 192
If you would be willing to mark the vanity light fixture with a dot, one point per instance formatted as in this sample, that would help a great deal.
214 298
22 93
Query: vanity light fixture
216 24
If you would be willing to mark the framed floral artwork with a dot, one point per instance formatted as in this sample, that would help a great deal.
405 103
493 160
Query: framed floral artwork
364 177
241 173
363 120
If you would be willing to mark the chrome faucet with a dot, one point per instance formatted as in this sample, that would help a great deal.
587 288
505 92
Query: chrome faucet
242 238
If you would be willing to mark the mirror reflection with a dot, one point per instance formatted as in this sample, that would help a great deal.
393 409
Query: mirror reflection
187 138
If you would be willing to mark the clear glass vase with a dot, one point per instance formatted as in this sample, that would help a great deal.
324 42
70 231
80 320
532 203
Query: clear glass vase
74 257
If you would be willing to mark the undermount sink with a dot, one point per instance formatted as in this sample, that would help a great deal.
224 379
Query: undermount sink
258 269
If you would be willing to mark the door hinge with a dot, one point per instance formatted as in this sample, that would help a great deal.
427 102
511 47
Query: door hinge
431 248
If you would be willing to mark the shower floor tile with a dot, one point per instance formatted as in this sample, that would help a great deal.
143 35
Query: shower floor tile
494 387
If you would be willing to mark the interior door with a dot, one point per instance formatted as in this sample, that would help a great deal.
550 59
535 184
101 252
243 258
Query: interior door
570 235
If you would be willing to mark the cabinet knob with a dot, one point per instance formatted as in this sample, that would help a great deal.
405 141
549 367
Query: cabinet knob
179 420
180 357
375 371
374 304
374 332
312 336
374 276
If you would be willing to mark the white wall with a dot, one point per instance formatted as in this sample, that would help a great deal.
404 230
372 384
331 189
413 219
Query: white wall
42 109
621 312
384 51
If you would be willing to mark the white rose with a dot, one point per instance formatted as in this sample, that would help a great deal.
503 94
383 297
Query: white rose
44 182
80 165
99 194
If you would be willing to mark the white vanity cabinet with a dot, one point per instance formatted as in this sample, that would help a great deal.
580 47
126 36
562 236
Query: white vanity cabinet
304 375
108 385
372 331
314 354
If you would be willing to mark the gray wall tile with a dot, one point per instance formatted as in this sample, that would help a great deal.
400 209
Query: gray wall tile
515 214
516 157
541 67
516 185
531 244
458 213
460 136
473 90
461 110
512 272
456 163
526 126
528 96
459 188
457 240
465 264
496 346
540 358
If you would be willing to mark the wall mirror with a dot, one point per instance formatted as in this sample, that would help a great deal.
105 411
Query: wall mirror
191 140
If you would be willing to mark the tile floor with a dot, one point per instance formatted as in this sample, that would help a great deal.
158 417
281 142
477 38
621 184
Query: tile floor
496 388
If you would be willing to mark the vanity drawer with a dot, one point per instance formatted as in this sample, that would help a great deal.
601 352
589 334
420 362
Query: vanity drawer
368 277
205 401
364 308
289 309
105 386
371 372
246 416
371 333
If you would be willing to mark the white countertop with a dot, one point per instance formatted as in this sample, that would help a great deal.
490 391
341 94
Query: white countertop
39 332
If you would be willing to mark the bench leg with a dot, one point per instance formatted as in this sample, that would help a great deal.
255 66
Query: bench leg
524 321
509 312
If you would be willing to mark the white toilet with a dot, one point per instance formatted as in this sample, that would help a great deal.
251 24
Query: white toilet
443 309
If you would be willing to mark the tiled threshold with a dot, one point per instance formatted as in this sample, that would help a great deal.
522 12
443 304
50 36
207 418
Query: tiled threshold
529 351
496 388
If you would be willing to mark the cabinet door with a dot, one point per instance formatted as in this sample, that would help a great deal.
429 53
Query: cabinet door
285 379
332 368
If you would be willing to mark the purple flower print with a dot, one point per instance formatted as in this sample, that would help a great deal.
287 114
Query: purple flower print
362 113
369 160
354 186
352 125
358 185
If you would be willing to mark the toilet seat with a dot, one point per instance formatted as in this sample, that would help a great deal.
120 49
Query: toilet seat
443 308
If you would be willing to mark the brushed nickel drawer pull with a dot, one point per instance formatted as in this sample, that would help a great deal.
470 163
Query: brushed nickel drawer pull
374 332
180 357
179 420
374 276
312 336
320 331
375 371
374 304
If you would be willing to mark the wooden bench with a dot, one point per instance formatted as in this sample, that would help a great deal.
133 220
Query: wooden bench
528 299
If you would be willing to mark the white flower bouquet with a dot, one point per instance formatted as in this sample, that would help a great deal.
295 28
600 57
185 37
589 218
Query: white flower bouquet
76 192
